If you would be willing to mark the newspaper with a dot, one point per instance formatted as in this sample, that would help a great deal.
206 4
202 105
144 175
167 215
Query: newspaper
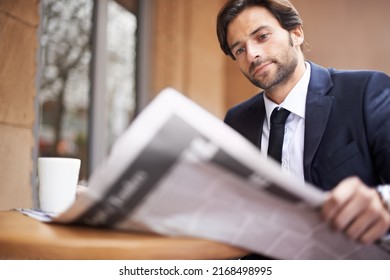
180 171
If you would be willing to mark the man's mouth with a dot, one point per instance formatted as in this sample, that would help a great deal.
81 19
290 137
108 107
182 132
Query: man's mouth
261 68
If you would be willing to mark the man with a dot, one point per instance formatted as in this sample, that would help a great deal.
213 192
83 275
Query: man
337 134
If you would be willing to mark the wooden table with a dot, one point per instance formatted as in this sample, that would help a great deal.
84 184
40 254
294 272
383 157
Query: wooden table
22 237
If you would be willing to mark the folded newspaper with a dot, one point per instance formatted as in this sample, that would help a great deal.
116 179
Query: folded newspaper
180 171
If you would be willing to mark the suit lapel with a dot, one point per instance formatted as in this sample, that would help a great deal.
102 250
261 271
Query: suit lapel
261 118
250 122
318 106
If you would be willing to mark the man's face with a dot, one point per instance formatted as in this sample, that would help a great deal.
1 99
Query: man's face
265 52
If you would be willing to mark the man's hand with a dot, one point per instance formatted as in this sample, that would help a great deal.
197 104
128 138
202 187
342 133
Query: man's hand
80 190
357 210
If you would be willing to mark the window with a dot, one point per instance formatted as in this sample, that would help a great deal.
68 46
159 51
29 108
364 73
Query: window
121 49
73 97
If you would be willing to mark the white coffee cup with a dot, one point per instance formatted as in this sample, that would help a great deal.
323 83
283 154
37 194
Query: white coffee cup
57 179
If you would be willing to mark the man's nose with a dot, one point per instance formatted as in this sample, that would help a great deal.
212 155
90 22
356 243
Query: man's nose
253 52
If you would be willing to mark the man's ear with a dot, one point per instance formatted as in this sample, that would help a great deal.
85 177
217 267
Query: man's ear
297 35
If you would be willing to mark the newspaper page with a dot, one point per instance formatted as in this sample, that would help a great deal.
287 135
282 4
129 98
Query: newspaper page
179 171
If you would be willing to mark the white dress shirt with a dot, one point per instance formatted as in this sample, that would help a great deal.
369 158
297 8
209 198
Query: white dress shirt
293 142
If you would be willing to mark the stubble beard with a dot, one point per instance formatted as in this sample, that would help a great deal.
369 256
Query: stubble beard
285 69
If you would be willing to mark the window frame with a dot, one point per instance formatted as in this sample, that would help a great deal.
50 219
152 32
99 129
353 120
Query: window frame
97 148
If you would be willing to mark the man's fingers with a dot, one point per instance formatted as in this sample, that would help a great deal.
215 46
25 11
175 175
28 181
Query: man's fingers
362 224
357 210
338 198
377 230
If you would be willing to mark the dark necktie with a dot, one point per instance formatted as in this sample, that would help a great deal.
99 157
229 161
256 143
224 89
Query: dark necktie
275 142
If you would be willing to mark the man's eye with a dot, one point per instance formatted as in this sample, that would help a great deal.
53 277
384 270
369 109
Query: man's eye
239 51
263 37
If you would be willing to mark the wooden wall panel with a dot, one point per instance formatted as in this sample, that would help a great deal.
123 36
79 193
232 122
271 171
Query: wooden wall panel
22 10
206 85
17 72
169 47
18 45
347 34
15 167
185 52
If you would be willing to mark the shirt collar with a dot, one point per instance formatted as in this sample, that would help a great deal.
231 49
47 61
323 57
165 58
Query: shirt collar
295 101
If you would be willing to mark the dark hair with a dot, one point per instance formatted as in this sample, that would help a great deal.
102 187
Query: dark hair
282 10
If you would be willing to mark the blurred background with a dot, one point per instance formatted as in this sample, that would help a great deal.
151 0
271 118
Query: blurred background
75 73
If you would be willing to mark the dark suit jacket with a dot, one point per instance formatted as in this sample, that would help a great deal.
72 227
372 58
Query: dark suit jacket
347 126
